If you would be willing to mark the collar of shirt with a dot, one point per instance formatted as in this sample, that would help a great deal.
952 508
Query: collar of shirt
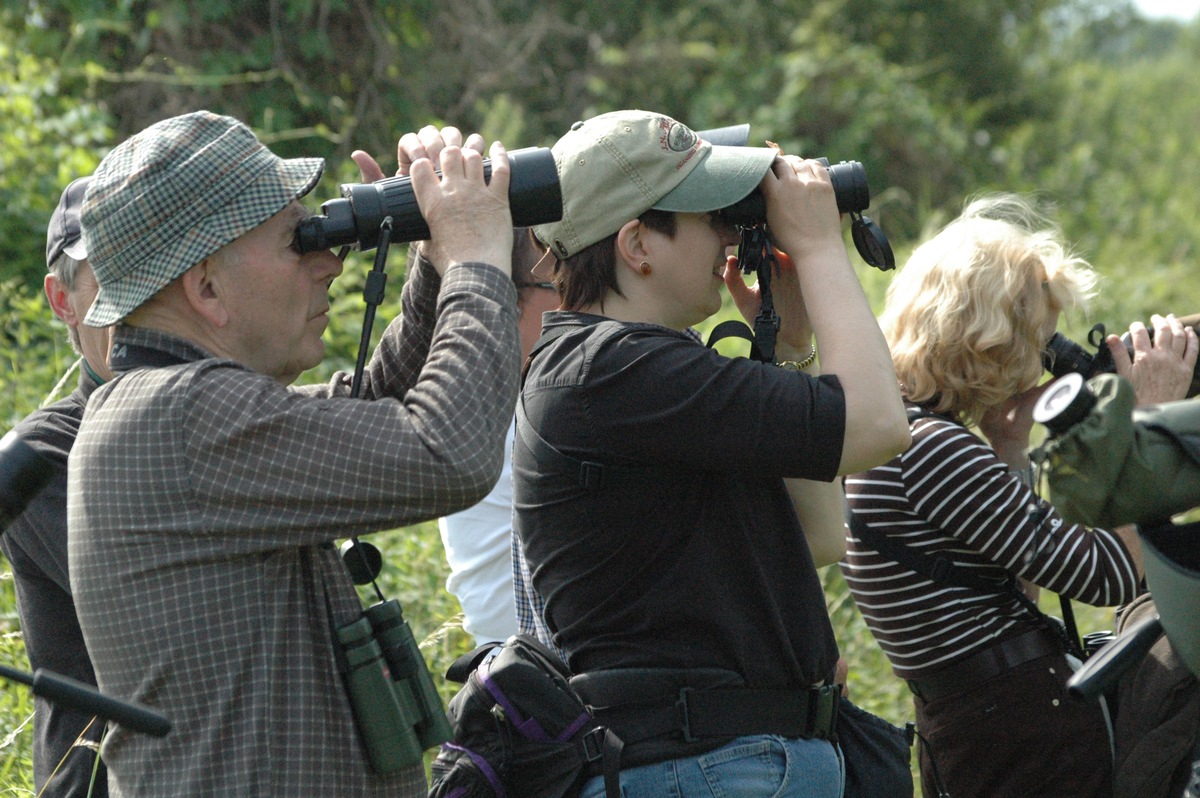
135 347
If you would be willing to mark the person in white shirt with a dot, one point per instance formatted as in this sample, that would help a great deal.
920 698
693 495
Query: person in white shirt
478 540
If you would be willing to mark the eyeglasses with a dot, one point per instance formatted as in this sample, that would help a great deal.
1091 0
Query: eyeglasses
548 285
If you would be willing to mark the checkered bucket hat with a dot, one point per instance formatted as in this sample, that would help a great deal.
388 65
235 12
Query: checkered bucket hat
172 195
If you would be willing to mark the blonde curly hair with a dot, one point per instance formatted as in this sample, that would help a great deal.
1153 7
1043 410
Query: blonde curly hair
965 317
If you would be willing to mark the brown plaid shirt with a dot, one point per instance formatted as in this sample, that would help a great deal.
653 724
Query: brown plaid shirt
202 497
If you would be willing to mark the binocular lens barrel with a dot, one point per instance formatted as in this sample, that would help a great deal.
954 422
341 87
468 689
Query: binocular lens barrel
385 721
534 197
849 180
850 189
409 672
1064 404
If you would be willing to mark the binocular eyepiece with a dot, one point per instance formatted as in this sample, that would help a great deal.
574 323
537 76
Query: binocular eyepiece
534 197
1062 356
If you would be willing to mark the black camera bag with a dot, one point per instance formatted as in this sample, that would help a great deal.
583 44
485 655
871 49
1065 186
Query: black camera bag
519 728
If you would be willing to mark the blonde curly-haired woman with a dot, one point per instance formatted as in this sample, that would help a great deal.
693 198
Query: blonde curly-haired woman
967 320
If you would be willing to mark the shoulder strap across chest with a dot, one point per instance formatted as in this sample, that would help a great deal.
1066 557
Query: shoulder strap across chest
593 475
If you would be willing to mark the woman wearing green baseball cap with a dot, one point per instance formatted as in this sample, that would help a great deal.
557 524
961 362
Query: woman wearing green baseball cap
674 504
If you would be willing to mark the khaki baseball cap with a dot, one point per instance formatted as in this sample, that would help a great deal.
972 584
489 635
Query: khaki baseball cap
172 195
614 167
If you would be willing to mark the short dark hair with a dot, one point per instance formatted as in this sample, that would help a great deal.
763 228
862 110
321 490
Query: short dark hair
588 275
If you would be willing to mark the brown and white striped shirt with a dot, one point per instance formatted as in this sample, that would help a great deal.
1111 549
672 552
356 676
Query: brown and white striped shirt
950 494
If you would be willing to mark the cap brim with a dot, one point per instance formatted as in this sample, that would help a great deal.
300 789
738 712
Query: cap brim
725 176
77 250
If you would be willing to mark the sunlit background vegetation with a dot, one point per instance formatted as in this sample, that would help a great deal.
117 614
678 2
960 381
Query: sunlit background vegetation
1082 102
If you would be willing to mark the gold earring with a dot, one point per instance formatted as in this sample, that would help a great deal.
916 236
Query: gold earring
645 269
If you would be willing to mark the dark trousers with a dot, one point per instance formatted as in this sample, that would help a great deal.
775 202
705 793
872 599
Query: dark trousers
1017 734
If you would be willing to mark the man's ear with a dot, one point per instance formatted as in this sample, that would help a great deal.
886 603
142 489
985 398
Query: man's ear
631 245
56 294
200 286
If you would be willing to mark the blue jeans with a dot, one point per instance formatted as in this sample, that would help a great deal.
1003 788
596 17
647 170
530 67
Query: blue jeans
759 766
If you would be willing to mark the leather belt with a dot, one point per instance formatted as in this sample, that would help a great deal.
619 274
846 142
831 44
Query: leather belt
986 664
641 704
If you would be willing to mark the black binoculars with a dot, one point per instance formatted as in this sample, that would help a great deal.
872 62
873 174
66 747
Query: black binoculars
534 197
1063 356
852 194
850 188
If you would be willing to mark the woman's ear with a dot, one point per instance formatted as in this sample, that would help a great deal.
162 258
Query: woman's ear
631 245
201 287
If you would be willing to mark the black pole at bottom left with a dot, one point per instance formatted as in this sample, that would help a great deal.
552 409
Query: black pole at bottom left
85 698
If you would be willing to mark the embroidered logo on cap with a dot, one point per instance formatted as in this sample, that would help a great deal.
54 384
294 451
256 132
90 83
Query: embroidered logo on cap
677 137
680 137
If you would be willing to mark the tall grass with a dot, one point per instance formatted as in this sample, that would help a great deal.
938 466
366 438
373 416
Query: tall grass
16 702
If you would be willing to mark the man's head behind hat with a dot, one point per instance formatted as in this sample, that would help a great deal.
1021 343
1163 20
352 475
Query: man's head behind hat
174 194
616 166
63 234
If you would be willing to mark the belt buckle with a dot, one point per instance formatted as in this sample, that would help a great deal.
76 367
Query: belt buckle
591 476
593 744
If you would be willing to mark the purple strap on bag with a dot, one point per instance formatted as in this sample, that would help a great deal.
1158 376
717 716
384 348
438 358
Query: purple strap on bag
492 776
529 728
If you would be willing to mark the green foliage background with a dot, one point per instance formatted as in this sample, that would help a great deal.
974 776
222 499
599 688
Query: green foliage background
1084 103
